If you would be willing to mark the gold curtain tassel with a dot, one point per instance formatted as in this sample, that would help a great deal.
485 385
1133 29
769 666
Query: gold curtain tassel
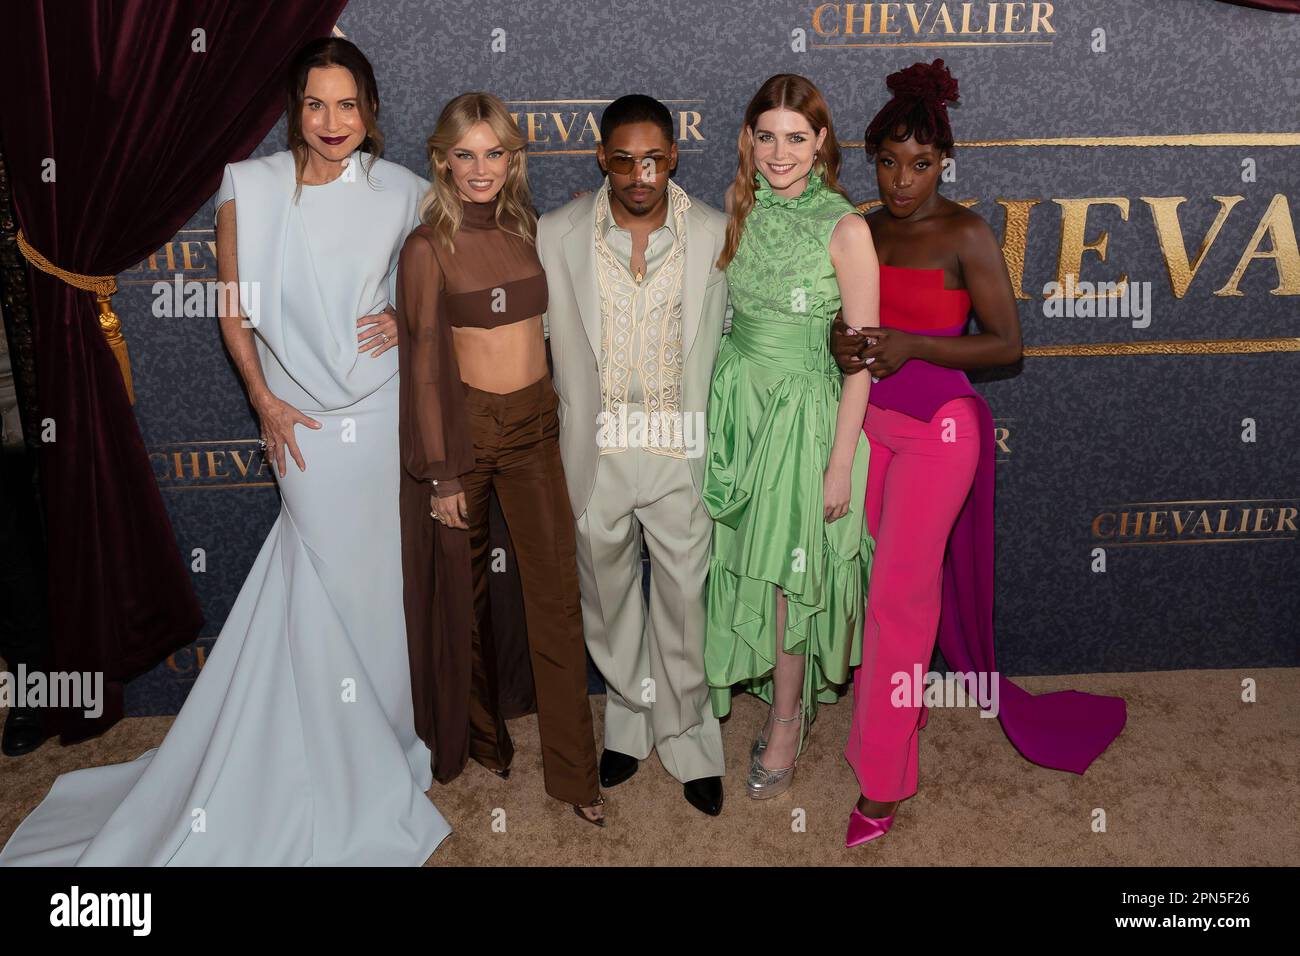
103 287
111 326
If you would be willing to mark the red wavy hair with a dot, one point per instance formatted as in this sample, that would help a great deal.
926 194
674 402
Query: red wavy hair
788 91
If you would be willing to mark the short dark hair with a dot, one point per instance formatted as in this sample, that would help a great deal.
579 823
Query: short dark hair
635 108
918 109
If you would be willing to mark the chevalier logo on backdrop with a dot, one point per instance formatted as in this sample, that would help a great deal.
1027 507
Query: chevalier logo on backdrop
184 665
1207 521
572 127
933 24
1002 439
232 463
1083 233
191 253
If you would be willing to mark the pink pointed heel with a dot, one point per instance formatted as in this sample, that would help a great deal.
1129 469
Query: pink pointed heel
864 829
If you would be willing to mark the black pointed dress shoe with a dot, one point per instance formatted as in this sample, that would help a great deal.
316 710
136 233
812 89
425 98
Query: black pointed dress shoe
616 767
24 731
704 794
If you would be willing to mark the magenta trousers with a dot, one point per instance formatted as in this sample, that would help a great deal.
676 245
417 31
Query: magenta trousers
920 475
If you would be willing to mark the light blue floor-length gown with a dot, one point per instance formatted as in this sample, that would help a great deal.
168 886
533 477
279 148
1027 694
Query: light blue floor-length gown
296 745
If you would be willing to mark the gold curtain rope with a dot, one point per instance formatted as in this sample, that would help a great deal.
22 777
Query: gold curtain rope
103 287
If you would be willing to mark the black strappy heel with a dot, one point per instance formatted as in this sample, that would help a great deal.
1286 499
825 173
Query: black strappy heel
579 807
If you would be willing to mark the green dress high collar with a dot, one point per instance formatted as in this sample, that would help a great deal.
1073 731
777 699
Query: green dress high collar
764 195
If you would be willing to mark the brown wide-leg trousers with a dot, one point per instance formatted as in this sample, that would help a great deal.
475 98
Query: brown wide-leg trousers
517 453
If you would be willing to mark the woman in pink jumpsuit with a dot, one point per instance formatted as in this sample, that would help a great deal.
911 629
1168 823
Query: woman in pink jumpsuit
929 501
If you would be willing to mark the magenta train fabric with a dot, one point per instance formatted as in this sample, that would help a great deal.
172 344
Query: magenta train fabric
1065 730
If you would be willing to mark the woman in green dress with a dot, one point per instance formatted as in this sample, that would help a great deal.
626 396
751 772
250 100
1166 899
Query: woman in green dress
787 459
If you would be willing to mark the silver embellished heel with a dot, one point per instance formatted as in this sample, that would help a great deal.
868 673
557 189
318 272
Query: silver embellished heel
763 784
760 742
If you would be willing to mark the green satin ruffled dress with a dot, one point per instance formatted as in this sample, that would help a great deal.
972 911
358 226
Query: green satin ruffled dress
773 403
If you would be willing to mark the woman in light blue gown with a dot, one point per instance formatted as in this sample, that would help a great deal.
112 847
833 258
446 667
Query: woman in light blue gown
297 744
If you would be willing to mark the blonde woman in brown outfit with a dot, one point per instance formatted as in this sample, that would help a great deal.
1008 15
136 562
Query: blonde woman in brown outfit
478 413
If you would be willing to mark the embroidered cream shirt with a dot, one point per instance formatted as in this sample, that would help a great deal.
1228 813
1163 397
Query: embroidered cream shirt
641 330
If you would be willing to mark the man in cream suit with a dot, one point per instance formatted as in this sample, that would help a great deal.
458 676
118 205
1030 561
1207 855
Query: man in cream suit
635 318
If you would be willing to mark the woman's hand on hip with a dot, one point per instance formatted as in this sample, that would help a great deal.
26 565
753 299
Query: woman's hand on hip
377 333
277 419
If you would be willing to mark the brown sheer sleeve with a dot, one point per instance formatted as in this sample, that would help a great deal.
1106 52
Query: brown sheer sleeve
435 439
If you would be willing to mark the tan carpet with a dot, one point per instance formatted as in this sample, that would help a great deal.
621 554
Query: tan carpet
1197 778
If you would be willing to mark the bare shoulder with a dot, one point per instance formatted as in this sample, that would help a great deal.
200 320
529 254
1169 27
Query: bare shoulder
851 232
878 218
971 230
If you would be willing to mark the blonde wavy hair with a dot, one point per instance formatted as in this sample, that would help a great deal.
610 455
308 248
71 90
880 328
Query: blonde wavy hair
783 91
441 209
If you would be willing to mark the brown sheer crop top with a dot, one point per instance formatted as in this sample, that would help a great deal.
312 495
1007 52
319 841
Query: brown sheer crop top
493 278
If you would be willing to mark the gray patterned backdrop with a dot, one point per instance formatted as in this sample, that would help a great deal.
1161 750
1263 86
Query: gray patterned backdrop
1124 471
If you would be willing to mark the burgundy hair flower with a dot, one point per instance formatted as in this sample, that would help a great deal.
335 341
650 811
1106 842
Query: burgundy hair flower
928 82
918 108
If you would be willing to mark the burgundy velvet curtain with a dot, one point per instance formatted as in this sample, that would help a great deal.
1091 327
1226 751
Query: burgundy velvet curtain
138 123
1277 6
